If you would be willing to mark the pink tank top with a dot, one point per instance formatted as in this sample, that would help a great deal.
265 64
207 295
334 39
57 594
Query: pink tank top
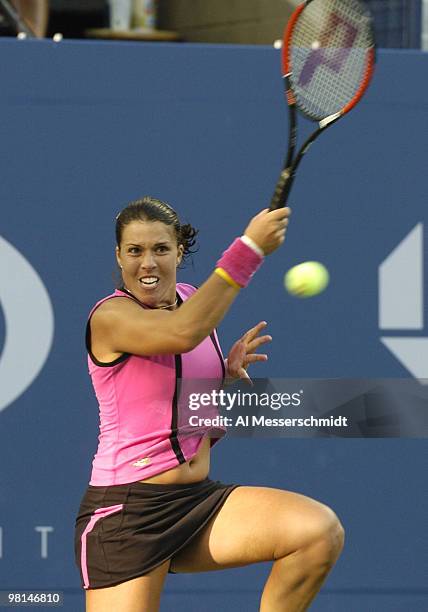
141 422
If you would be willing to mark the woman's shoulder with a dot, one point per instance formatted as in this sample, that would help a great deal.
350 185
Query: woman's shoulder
113 302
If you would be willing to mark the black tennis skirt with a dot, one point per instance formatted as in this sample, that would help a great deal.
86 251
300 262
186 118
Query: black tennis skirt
125 531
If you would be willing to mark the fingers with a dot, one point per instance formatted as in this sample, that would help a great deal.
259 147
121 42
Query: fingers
253 357
252 340
281 219
267 228
243 374
262 213
254 344
243 351
254 331
280 213
283 223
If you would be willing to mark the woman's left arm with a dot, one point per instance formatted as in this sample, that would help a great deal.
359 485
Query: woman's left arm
243 352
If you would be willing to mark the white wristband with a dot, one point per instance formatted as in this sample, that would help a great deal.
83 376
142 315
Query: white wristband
249 242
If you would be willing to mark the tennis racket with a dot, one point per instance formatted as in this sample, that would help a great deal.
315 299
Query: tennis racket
328 59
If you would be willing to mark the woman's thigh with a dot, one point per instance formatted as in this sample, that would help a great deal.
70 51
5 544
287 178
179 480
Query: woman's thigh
137 595
255 524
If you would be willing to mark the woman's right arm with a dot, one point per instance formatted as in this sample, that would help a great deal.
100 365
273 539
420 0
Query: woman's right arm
122 326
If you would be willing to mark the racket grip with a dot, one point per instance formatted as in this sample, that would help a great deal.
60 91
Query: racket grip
279 197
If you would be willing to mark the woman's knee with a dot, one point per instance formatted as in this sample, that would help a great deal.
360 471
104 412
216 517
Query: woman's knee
315 532
327 538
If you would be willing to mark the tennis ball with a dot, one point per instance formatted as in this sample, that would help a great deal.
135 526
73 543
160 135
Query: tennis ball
306 279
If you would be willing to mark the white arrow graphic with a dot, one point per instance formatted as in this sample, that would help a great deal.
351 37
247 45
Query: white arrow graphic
29 322
412 353
401 302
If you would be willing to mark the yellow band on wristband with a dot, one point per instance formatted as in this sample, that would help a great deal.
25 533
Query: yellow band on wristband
226 277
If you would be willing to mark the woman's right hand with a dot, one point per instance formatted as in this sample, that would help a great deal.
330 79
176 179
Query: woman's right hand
268 228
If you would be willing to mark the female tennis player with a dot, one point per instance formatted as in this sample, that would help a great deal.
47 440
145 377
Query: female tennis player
150 506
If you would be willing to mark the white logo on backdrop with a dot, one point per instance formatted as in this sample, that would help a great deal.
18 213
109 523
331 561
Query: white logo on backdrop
29 324
401 302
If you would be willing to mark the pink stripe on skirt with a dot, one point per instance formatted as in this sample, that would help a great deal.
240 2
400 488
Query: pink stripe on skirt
98 514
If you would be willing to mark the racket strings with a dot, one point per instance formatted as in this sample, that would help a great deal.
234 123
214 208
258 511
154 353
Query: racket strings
329 55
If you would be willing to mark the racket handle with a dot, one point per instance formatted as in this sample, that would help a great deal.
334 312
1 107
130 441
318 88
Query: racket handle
281 190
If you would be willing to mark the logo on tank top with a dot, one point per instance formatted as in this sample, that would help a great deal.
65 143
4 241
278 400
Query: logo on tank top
28 324
142 462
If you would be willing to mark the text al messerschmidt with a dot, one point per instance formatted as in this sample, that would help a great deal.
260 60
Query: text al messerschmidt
262 421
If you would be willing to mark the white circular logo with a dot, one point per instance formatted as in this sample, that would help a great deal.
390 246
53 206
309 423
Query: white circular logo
29 324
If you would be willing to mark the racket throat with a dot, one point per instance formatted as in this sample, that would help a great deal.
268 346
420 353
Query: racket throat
328 120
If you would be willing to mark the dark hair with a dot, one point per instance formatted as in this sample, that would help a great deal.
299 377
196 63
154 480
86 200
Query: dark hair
152 209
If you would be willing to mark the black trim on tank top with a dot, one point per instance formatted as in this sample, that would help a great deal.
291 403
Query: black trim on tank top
220 356
129 294
175 445
174 412
88 339
101 364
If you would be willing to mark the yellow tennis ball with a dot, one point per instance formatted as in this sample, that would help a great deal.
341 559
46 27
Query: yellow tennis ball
306 279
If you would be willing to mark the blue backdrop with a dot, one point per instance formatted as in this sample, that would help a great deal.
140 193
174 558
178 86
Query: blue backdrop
87 127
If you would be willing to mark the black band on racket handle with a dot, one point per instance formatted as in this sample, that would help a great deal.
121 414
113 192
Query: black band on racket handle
282 188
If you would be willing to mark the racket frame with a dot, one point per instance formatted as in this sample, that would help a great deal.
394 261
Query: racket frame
286 178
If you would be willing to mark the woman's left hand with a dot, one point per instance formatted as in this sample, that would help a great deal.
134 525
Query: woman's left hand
243 353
